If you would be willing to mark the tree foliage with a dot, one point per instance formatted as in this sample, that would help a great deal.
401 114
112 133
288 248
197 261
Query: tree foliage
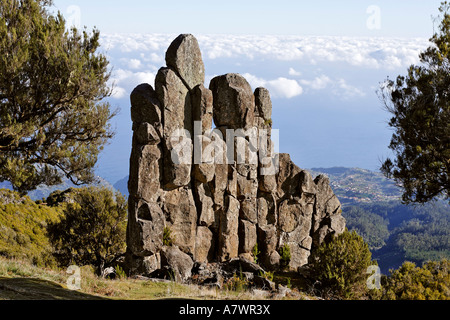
92 230
372 227
420 105
396 232
52 82
339 266
409 282
23 233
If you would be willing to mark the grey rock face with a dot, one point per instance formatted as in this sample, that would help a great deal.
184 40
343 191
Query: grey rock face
208 209
179 264
185 57
263 104
145 228
233 101
202 107
145 106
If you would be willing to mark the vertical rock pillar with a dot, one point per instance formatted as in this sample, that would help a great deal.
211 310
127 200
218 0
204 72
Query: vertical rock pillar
220 192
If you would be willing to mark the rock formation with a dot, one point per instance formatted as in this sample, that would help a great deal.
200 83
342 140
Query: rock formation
221 194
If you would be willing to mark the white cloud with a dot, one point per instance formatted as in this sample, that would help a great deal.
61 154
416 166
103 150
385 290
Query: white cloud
134 64
293 72
285 88
254 81
367 52
339 87
137 57
346 91
124 81
317 83
118 92
362 52
289 88
279 88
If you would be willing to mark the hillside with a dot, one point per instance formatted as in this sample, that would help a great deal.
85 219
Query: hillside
355 185
23 224
395 232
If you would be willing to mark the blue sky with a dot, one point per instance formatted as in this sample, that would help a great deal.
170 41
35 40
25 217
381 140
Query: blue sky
322 62
405 18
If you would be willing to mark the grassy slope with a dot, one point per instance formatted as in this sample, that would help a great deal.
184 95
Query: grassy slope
23 228
21 280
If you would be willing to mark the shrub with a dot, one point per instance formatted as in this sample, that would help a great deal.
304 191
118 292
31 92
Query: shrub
92 230
255 253
266 274
120 273
339 266
285 256
236 283
23 233
409 282
168 238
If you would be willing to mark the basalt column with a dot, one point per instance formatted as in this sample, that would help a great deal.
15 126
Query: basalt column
204 194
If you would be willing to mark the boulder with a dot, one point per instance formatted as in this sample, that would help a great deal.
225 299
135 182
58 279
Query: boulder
299 256
233 101
289 215
184 56
145 172
247 236
229 226
266 209
204 245
237 265
263 105
249 210
288 177
145 106
138 265
146 134
202 107
205 204
204 163
178 263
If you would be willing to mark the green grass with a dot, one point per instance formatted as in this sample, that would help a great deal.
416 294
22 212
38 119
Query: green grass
24 281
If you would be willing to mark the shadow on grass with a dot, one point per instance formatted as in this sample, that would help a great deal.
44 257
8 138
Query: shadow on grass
37 289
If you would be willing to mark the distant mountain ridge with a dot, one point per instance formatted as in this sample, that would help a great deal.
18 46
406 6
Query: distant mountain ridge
395 232
351 185
44 191
356 185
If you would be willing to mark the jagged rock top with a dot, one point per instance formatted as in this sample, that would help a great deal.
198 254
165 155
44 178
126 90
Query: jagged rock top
185 57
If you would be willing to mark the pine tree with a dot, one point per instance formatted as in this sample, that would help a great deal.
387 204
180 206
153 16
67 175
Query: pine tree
53 122
420 104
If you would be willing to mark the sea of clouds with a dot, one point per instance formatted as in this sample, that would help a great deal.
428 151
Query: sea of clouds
137 57
323 89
